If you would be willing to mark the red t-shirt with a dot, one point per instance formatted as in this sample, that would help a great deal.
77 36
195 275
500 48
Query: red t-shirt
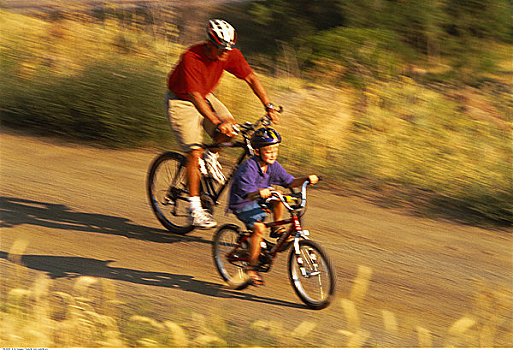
197 73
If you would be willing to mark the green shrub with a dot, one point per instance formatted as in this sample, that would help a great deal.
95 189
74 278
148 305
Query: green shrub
361 54
418 138
115 101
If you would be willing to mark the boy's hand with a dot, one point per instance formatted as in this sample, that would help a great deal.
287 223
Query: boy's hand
265 192
261 193
313 179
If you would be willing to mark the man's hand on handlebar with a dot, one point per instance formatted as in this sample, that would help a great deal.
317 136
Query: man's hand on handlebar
273 112
274 115
226 127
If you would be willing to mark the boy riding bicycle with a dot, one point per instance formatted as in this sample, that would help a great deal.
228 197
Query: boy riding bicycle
254 180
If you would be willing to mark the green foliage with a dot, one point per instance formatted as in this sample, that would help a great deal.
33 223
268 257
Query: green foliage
362 54
294 20
480 18
459 32
418 138
115 101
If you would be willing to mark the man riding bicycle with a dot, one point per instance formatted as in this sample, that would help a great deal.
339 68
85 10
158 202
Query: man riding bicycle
191 106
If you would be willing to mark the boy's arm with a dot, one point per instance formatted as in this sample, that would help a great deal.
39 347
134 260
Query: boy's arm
299 180
261 193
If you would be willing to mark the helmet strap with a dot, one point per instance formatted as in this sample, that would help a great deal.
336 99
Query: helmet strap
258 154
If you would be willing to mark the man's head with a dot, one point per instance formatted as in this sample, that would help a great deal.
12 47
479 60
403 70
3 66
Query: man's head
221 34
265 141
221 39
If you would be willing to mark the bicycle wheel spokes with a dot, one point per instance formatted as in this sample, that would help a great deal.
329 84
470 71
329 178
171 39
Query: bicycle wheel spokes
312 275
168 192
230 256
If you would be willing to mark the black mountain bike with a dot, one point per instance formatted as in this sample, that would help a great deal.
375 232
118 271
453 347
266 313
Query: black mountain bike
166 183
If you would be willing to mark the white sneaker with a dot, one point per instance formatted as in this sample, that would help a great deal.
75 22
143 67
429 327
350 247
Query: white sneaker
202 219
213 166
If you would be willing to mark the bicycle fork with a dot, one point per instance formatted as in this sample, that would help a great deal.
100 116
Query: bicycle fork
310 257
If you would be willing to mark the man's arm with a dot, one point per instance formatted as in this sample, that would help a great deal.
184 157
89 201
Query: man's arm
259 90
205 110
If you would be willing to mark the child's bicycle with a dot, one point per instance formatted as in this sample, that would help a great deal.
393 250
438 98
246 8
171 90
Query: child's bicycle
310 270
167 187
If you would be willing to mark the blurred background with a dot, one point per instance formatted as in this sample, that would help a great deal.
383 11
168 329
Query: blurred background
409 100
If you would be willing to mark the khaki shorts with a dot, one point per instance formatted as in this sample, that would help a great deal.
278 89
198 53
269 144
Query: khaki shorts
188 124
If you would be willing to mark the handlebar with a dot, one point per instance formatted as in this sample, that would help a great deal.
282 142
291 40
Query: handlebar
275 195
248 126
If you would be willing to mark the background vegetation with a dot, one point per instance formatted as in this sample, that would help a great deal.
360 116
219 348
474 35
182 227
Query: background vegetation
410 100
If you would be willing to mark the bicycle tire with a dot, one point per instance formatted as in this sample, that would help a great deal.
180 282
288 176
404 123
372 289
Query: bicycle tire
232 272
318 290
167 192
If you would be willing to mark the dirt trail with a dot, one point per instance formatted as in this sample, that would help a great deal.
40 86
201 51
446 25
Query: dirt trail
84 211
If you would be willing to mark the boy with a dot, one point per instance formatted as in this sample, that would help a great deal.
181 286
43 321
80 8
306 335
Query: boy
254 179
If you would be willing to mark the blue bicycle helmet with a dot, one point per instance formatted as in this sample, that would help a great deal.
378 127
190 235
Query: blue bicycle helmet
265 137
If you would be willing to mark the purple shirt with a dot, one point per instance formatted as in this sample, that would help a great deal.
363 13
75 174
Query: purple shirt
250 178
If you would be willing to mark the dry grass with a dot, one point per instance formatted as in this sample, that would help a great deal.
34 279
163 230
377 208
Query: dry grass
38 316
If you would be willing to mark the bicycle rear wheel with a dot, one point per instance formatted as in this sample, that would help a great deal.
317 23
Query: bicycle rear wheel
230 256
167 192
316 284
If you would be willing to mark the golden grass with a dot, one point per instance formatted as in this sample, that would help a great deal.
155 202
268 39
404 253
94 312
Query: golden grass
70 44
38 316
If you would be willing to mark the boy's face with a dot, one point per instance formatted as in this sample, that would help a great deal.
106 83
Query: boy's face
268 154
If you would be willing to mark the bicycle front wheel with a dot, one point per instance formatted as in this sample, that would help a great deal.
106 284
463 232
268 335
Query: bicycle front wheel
167 192
312 275
230 253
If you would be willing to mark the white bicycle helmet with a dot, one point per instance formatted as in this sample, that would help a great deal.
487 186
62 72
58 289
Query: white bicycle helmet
221 34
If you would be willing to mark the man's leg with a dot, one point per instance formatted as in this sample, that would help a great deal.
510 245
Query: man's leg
211 156
200 217
193 172
186 122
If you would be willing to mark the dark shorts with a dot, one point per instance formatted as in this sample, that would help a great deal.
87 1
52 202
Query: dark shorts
250 214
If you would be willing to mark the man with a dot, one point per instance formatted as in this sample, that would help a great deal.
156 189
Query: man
192 106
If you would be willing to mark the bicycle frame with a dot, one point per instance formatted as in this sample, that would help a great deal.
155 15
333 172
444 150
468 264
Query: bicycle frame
208 183
167 187
295 229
